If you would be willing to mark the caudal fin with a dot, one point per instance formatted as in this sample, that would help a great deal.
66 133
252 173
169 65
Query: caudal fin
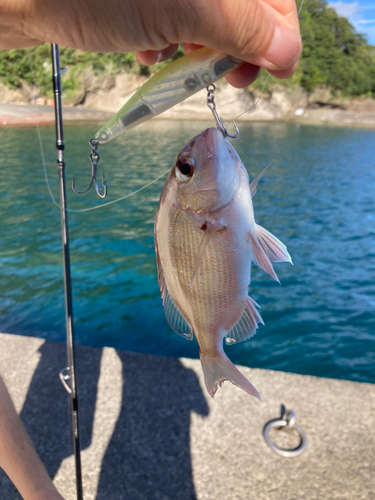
217 370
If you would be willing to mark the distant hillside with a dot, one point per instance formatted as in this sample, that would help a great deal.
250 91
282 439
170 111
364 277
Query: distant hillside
334 57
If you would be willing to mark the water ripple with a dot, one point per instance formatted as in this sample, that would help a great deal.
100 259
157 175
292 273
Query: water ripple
318 197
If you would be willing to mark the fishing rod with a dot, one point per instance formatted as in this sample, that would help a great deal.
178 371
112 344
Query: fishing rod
67 375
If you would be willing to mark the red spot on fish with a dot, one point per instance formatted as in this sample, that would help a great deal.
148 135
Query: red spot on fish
204 226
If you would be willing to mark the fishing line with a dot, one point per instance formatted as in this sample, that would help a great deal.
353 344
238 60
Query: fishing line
256 103
35 94
300 7
265 83
71 210
122 198
96 207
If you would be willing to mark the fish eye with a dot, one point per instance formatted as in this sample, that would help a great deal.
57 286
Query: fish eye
185 169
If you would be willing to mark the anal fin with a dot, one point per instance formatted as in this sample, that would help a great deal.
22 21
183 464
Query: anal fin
247 325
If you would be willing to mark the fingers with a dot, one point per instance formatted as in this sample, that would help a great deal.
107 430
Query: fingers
286 73
189 47
150 57
261 32
243 76
240 78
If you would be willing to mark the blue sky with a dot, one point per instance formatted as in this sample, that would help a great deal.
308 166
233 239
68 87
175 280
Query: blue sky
360 13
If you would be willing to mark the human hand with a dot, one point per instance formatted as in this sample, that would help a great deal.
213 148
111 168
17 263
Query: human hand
260 32
263 33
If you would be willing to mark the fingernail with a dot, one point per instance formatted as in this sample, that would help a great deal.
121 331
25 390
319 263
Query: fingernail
160 56
285 48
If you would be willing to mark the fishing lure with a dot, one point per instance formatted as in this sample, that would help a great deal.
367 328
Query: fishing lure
171 85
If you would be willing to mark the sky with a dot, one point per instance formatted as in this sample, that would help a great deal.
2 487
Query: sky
361 14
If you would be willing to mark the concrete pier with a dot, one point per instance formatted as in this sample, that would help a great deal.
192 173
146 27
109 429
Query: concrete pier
150 431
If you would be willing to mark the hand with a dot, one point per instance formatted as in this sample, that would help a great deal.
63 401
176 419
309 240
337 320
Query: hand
18 457
260 32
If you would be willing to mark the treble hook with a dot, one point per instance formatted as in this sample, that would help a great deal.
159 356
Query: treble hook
94 158
219 121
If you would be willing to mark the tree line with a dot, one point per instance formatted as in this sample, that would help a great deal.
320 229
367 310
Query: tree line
334 56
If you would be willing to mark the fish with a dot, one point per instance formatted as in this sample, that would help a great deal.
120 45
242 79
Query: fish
206 240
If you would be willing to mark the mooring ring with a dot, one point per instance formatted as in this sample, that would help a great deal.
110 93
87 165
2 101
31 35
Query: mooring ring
294 452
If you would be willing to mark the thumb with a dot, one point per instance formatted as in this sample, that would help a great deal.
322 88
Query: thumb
261 32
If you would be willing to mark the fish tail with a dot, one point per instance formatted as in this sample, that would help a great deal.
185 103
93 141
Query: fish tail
218 369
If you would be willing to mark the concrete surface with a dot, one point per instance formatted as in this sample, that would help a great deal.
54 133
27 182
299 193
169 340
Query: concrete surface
150 431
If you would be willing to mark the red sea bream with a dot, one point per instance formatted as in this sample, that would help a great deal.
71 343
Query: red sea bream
206 239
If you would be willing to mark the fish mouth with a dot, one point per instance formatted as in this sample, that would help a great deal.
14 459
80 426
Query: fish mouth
212 136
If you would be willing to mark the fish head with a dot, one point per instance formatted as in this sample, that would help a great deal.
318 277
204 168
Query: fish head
207 173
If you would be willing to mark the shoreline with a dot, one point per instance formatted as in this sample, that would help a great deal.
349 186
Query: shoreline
31 115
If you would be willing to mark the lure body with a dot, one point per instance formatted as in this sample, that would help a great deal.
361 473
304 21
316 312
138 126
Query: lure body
169 86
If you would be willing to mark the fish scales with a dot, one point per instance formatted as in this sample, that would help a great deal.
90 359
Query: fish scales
206 238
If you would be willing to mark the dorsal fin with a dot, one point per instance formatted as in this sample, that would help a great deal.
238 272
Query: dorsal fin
253 185
172 313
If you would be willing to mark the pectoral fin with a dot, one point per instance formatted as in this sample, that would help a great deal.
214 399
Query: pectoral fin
253 185
274 248
267 248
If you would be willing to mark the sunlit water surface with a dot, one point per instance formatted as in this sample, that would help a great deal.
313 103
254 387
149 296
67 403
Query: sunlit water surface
318 198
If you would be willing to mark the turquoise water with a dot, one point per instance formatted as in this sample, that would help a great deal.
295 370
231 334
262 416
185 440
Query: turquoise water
318 198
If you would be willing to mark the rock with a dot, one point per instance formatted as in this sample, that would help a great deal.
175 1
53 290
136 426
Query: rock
113 93
10 96
319 95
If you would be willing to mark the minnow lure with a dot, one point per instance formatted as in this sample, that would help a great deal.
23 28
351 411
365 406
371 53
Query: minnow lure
169 86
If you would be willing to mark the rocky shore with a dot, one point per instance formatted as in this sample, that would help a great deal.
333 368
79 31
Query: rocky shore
107 94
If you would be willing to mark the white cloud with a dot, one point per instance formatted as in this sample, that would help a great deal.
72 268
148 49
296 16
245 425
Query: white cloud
366 21
357 12
345 9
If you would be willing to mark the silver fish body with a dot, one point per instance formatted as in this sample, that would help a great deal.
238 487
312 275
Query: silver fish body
206 239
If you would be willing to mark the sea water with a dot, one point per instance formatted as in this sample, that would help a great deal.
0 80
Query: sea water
318 197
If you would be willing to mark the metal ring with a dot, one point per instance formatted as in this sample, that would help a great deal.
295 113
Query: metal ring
65 377
294 452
